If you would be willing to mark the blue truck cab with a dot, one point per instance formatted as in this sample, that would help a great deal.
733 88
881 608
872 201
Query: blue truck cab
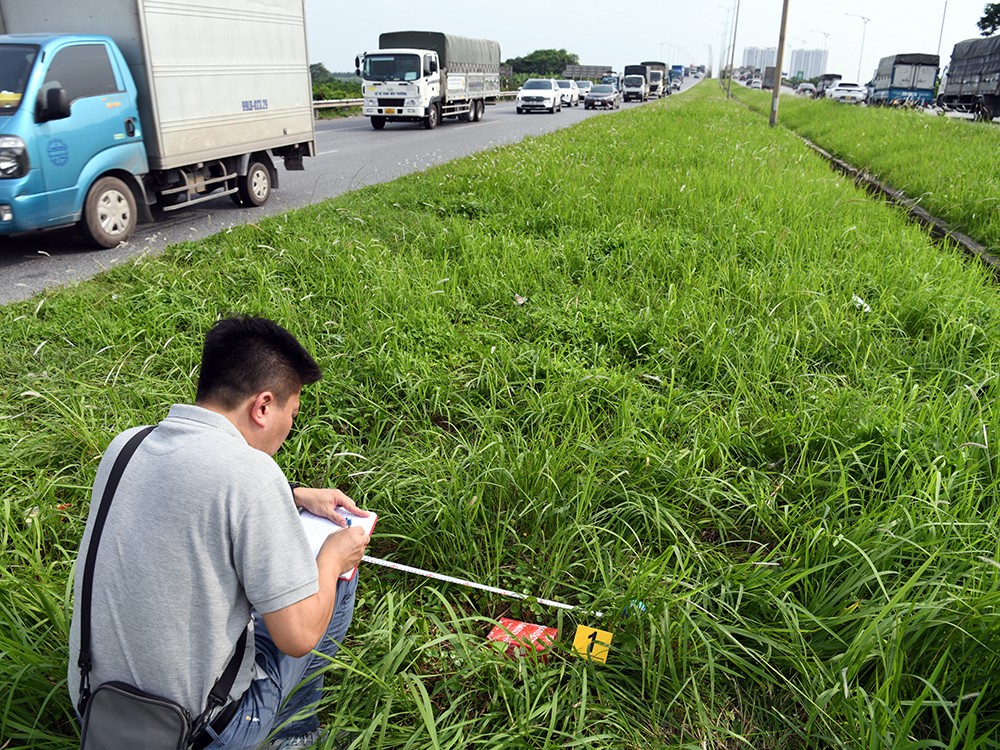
71 144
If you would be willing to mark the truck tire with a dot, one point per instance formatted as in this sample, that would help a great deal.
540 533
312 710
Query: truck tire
378 123
433 116
255 186
480 110
109 215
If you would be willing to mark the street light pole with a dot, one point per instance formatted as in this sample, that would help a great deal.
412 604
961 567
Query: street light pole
941 35
826 38
864 28
723 46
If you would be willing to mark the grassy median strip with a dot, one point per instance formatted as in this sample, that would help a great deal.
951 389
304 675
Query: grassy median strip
665 356
946 165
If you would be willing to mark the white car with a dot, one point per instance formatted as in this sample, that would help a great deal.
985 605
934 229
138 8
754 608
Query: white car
539 94
756 83
570 93
584 87
845 91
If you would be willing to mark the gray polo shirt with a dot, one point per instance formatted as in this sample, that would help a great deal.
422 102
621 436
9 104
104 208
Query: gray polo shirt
202 528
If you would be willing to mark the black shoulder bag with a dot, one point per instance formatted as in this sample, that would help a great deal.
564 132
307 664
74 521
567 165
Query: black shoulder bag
117 715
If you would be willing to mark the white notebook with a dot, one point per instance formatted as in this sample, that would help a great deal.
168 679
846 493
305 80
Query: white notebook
318 529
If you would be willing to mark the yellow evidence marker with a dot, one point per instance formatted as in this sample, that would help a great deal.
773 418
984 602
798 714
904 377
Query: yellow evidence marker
591 643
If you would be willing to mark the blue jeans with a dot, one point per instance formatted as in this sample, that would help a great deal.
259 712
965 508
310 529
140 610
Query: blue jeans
266 704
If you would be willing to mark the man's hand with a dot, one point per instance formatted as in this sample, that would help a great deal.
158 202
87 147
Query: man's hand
324 503
343 550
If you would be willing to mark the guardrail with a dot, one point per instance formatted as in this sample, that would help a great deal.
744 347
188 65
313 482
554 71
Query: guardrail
344 103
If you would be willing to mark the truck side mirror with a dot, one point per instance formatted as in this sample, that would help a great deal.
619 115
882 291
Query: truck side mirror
434 66
55 105
357 72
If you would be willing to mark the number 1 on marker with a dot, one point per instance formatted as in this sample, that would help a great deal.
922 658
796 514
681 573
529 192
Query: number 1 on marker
591 643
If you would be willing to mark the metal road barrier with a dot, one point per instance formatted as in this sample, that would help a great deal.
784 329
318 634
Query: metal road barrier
342 103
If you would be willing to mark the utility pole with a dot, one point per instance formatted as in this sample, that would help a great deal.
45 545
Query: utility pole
777 65
732 52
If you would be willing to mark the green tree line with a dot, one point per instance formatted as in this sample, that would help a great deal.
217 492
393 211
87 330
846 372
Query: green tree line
327 86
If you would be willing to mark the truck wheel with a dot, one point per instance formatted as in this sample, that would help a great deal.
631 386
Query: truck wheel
480 111
109 215
255 186
433 115
378 123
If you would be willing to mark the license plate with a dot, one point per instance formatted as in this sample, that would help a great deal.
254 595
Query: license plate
390 111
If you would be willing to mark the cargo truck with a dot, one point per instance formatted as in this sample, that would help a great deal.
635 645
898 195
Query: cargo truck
635 85
423 76
657 74
973 80
826 81
905 80
110 109
767 82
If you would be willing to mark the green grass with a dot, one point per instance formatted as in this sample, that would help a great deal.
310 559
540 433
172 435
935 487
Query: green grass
689 410
947 165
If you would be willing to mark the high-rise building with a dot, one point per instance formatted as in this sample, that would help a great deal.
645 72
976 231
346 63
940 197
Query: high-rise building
759 57
807 63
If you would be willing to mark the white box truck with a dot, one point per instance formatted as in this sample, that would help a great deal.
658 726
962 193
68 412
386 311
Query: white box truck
423 76
112 108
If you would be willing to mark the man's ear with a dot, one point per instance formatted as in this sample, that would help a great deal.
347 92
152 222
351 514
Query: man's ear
261 407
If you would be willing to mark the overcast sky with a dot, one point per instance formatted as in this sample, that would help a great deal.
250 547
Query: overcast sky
606 33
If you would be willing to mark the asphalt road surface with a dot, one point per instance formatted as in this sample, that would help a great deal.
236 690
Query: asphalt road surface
350 155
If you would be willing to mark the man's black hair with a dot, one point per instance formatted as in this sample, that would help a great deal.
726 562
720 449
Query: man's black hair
244 356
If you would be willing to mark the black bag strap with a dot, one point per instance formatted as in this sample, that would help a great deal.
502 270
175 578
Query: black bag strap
86 595
220 690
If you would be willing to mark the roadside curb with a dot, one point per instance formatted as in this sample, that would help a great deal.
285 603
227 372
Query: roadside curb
937 228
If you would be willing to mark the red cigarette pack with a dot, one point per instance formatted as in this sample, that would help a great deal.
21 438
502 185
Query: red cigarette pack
522 636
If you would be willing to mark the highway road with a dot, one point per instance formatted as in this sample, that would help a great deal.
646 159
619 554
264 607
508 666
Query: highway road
350 155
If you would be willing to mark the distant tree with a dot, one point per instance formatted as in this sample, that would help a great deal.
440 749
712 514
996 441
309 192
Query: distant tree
989 24
544 62
319 73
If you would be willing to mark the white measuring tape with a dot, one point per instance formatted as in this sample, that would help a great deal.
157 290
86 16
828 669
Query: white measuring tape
469 584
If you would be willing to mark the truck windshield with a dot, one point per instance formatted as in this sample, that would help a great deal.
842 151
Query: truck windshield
391 67
634 80
16 61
